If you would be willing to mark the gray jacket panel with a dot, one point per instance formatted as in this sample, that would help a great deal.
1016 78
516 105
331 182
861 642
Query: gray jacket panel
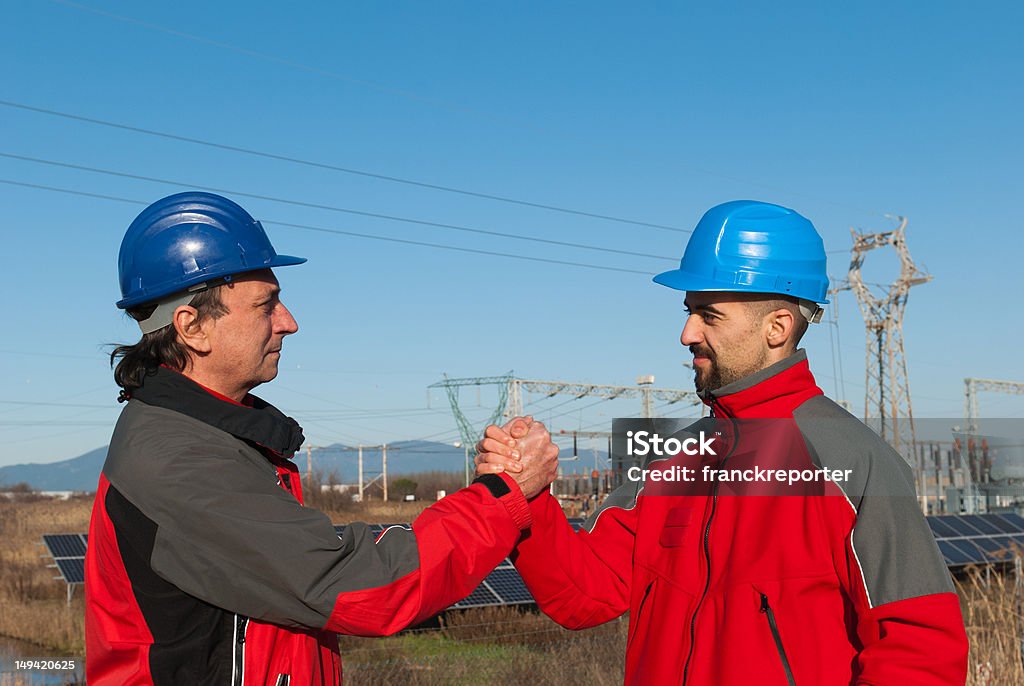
893 544
229 534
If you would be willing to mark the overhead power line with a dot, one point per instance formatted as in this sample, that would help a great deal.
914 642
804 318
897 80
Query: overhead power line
330 208
405 93
353 234
337 168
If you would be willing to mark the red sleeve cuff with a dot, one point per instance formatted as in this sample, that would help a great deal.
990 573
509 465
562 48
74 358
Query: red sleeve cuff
516 504
507 491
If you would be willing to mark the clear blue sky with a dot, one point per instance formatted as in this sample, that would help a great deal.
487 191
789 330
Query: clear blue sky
649 112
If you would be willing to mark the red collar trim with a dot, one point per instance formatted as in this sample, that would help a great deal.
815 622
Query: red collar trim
775 396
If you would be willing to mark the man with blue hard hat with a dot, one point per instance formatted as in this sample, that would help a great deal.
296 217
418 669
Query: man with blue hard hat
203 567
783 587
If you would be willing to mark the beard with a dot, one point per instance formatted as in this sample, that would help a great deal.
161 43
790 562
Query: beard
717 374
709 378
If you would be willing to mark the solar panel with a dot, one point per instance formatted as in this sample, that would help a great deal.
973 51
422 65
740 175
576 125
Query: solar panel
961 527
509 586
481 597
953 555
1004 525
68 551
940 529
981 524
977 538
65 545
72 569
1014 519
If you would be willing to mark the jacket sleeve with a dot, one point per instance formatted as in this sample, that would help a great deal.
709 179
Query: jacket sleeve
905 611
580 579
908 616
224 532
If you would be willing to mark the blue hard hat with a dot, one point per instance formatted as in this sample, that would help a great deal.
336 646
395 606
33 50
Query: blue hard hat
754 247
187 239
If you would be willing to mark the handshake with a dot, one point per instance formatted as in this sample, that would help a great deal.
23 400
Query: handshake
524 450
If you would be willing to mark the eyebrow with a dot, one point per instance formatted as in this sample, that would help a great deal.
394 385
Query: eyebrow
274 293
703 308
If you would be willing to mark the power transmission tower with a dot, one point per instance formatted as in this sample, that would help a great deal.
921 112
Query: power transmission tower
469 434
644 390
974 386
510 396
887 388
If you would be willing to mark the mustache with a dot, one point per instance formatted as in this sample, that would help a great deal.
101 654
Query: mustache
699 351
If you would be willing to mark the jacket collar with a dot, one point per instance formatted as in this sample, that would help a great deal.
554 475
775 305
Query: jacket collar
774 391
258 422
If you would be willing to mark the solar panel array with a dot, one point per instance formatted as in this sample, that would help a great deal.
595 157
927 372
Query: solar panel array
962 539
978 538
68 552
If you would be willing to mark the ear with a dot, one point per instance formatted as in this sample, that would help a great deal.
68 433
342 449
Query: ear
779 327
190 330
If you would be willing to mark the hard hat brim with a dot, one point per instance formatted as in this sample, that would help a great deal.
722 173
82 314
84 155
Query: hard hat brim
684 281
157 294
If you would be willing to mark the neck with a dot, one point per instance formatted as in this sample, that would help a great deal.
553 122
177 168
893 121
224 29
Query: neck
217 383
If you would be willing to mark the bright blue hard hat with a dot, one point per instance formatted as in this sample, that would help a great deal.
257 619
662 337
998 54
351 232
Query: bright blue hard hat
755 247
188 239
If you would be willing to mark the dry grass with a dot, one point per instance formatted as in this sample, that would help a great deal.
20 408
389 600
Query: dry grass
993 607
33 607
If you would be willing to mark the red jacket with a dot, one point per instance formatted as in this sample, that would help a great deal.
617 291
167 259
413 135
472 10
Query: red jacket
843 587
203 567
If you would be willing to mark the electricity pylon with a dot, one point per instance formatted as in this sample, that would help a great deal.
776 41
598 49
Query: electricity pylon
510 396
971 389
887 388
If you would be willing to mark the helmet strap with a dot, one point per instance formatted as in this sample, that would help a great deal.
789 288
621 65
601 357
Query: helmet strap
812 311
163 315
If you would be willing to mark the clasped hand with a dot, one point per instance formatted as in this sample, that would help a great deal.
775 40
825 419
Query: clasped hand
523 449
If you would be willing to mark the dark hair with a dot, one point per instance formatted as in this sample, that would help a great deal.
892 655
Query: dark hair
133 363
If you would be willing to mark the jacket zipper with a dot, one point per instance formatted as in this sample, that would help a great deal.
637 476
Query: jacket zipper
238 651
639 611
707 557
766 610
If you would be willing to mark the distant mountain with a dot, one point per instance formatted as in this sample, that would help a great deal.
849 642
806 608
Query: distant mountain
77 474
404 457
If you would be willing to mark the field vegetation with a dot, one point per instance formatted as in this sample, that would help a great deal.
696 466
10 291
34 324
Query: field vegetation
460 647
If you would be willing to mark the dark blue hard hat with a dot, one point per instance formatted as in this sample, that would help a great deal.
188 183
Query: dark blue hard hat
754 247
188 239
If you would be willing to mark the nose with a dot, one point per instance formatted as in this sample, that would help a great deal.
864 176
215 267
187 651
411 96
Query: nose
284 322
692 331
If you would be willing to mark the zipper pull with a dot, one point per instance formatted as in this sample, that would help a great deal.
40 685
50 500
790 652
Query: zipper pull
764 604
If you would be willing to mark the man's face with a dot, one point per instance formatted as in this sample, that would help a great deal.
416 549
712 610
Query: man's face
245 343
726 340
